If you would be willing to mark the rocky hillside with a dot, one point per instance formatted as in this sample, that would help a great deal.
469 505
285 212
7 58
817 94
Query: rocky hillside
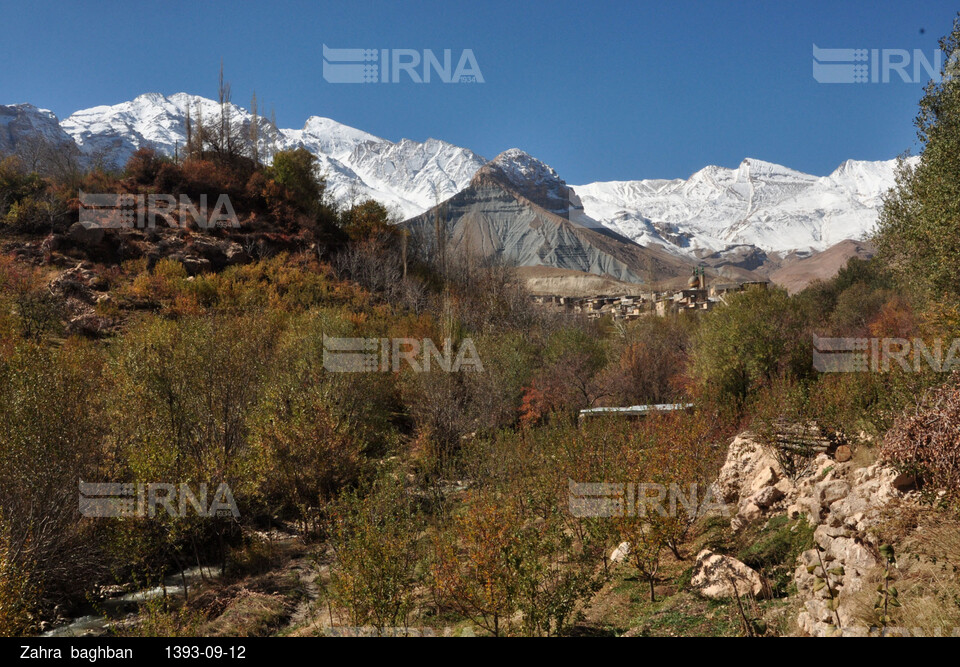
847 502
519 211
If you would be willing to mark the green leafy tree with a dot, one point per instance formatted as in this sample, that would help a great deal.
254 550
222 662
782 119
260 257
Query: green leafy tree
376 537
741 347
919 228
296 170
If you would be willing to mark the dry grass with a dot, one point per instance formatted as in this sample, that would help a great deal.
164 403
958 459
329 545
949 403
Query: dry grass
927 572
864 455
250 614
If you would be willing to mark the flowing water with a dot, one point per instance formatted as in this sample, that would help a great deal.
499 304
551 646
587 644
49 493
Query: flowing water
111 609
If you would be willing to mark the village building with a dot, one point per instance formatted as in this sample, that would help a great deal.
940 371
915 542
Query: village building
696 296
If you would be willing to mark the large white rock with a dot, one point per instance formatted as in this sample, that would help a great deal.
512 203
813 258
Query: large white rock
620 553
721 577
747 469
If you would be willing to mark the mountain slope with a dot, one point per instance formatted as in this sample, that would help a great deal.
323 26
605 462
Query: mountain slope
504 215
407 176
745 219
797 275
35 135
757 204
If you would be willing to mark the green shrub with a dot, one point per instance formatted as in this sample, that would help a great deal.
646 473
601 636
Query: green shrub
775 550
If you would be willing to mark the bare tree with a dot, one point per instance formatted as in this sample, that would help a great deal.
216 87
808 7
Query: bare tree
225 145
254 130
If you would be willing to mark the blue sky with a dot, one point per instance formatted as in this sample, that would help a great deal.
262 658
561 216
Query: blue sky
598 90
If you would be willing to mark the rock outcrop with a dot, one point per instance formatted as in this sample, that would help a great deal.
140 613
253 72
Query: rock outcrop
842 500
721 577
80 290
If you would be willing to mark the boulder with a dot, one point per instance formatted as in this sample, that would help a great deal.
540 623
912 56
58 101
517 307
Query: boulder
235 254
767 497
785 486
86 235
831 491
750 512
79 282
721 577
193 264
747 464
220 252
766 477
88 323
904 482
620 553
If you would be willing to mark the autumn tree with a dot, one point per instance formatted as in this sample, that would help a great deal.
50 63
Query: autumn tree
474 568
367 221
509 570
317 431
51 427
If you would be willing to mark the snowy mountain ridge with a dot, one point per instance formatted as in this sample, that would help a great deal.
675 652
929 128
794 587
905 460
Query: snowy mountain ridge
406 176
758 203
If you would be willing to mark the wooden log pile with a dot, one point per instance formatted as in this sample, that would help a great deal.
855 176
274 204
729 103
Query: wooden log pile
807 439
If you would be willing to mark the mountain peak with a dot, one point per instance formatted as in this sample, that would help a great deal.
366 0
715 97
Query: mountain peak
154 98
326 136
324 124
531 178
522 170
755 166
515 158
29 108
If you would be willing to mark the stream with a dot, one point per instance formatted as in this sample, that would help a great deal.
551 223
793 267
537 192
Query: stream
111 609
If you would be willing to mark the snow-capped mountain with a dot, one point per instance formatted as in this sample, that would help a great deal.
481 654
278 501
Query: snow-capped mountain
757 204
35 134
324 136
758 207
414 175
113 133
406 176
